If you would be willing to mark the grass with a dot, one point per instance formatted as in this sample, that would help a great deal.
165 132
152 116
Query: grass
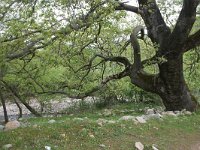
68 134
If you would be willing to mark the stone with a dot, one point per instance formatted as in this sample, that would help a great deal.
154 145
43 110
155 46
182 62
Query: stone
47 148
150 111
153 116
12 125
178 113
188 113
101 121
169 113
154 147
78 119
127 118
107 113
139 146
7 146
20 119
141 119
35 126
51 121
91 135
1 127
102 146
111 121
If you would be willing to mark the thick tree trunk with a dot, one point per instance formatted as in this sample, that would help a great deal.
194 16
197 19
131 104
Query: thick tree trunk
174 92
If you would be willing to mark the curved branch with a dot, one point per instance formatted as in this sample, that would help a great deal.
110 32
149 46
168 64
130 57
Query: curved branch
118 59
117 76
30 49
136 46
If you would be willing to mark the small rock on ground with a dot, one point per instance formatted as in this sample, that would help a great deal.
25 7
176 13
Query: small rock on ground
127 118
139 146
141 119
7 146
51 121
102 146
12 125
78 119
1 127
154 147
150 111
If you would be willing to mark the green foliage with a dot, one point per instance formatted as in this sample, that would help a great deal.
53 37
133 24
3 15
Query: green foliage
64 40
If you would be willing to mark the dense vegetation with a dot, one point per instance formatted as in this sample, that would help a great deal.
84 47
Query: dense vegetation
75 48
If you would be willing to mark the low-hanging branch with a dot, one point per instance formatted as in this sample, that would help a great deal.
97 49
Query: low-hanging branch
90 92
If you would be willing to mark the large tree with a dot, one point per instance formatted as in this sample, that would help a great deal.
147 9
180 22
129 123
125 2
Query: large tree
169 83
32 30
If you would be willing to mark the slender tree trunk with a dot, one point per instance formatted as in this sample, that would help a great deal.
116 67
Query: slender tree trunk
175 93
4 107
15 94
19 107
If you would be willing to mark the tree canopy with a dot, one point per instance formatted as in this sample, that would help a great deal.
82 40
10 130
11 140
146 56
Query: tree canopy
76 47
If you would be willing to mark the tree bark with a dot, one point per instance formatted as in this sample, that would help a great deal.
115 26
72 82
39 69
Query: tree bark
19 107
174 91
4 107
15 94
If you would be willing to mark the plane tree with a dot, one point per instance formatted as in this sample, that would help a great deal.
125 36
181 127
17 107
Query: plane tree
87 43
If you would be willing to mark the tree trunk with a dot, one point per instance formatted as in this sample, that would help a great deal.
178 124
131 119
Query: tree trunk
19 107
174 92
4 107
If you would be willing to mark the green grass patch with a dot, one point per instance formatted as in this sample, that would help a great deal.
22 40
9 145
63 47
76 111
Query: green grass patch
68 134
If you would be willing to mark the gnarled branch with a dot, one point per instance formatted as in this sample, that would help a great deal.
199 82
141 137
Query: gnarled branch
136 46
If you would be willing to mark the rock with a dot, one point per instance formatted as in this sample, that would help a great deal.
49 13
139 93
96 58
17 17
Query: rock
101 122
7 146
51 121
169 113
150 111
153 116
188 113
107 113
47 148
177 112
78 119
91 135
102 146
1 127
140 110
35 126
139 146
141 119
20 119
127 118
12 125
111 121
154 147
